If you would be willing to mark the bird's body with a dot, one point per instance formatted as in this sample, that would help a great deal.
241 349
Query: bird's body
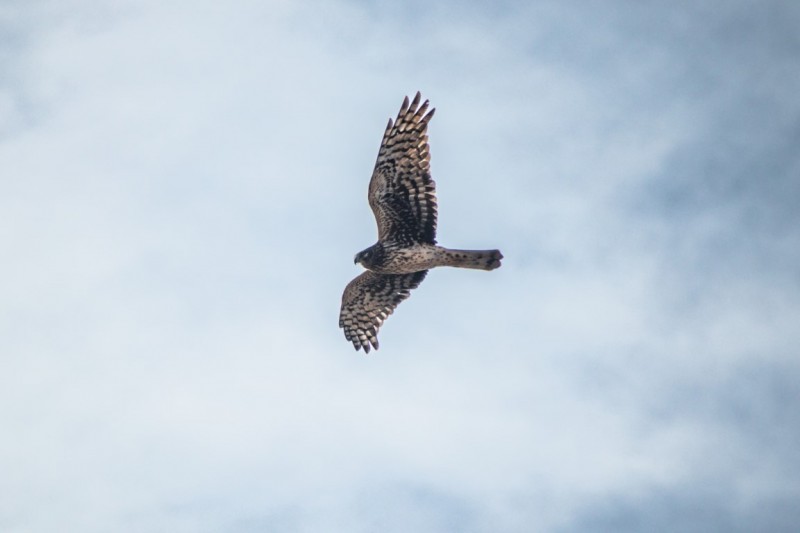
389 258
402 196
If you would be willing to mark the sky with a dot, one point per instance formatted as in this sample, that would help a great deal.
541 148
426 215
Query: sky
182 191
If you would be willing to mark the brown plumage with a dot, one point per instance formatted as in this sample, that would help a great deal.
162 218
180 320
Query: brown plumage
402 196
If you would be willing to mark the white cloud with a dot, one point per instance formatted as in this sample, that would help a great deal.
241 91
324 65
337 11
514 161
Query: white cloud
183 189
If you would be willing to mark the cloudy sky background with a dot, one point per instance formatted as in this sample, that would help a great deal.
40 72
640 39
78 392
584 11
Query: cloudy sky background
183 188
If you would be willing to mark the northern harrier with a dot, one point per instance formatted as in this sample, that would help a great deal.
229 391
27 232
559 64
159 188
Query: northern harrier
402 196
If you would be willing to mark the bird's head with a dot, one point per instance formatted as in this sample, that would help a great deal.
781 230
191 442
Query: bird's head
365 257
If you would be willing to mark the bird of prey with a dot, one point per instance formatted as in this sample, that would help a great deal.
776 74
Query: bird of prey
402 196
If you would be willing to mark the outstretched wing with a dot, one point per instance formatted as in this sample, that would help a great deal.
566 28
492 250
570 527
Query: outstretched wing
402 194
369 299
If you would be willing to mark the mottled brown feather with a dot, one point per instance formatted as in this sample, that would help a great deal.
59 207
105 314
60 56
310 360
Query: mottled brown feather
368 300
402 194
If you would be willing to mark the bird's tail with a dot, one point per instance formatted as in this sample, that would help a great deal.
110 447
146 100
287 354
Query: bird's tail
478 259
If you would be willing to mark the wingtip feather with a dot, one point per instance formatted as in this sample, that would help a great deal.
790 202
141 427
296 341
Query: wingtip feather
404 107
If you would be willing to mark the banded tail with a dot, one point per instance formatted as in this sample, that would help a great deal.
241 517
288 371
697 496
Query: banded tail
477 259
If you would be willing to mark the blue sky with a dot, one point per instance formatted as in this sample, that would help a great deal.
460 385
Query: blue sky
183 188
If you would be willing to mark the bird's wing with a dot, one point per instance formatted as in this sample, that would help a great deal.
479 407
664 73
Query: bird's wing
368 300
402 194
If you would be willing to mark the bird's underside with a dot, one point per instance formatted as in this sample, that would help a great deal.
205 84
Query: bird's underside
395 259
402 196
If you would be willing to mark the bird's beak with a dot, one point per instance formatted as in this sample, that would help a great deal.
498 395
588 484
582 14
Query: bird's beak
355 260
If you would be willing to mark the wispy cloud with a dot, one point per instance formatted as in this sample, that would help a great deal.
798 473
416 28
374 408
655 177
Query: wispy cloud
182 191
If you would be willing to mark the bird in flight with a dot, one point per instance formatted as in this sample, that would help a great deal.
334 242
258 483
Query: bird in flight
402 196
